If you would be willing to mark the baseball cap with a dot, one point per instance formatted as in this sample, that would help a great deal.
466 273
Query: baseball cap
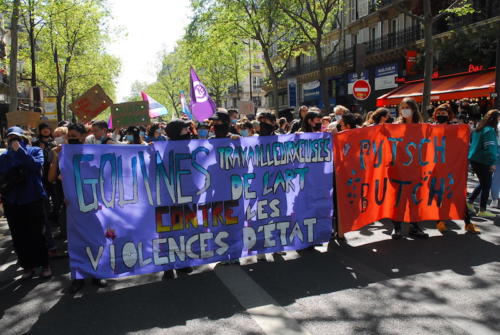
222 116
16 131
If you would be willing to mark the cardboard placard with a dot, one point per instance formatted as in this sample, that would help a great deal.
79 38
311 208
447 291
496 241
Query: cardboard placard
246 107
20 118
91 104
127 114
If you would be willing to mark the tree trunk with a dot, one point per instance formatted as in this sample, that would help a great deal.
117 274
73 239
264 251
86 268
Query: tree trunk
13 57
59 101
429 57
65 107
323 79
497 78
31 33
274 78
274 82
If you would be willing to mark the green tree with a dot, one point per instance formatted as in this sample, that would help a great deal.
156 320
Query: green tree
431 13
13 56
315 18
217 56
263 22
72 56
173 78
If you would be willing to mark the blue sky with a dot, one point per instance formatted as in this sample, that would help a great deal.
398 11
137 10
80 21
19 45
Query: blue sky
148 28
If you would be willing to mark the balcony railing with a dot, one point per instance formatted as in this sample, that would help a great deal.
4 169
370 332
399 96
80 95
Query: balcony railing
338 58
377 5
395 40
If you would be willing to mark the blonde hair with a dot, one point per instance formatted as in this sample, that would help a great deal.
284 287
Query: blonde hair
339 108
62 130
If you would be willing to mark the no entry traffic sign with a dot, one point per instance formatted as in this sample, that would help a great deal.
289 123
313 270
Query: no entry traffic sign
361 89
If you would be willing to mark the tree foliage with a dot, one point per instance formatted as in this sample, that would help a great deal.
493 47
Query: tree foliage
70 39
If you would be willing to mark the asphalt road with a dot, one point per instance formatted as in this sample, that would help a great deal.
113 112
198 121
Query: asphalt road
448 284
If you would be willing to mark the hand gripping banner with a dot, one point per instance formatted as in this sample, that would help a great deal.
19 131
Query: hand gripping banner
407 173
139 209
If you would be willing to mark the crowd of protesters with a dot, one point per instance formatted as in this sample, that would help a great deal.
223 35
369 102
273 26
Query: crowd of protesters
33 199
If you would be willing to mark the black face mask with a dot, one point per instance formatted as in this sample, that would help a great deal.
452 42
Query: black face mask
221 130
339 127
442 118
266 129
74 141
317 127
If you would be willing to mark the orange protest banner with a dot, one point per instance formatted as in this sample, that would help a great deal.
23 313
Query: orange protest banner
406 173
91 104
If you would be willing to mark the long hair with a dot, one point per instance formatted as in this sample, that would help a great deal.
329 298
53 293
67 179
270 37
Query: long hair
134 131
306 127
490 119
416 116
152 129
379 114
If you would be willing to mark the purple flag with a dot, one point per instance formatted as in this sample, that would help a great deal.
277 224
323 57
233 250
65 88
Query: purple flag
202 105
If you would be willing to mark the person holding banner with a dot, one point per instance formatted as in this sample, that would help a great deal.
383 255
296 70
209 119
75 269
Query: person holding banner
99 134
178 130
267 123
221 125
133 136
203 130
443 114
380 116
347 122
155 134
312 122
297 123
483 156
409 113
76 135
23 194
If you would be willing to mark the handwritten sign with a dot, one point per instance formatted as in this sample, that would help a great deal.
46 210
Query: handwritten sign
246 107
127 114
91 104
139 209
406 173
21 118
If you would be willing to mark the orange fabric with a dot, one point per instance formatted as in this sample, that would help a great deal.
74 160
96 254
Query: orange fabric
408 162
473 85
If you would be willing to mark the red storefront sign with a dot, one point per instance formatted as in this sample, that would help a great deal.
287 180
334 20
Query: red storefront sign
411 61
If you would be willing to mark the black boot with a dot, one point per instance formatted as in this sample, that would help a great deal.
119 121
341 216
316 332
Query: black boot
99 282
76 285
417 232
169 274
396 235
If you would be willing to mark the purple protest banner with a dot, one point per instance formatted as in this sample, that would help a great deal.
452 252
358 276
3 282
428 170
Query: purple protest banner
202 105
139 209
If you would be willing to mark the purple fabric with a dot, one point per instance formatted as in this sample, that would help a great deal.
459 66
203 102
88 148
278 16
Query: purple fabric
202 105
140 209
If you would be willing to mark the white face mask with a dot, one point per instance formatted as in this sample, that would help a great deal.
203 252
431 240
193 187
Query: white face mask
406 113
59 140
338 117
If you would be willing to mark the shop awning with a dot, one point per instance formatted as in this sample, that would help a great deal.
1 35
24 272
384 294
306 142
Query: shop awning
452 87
